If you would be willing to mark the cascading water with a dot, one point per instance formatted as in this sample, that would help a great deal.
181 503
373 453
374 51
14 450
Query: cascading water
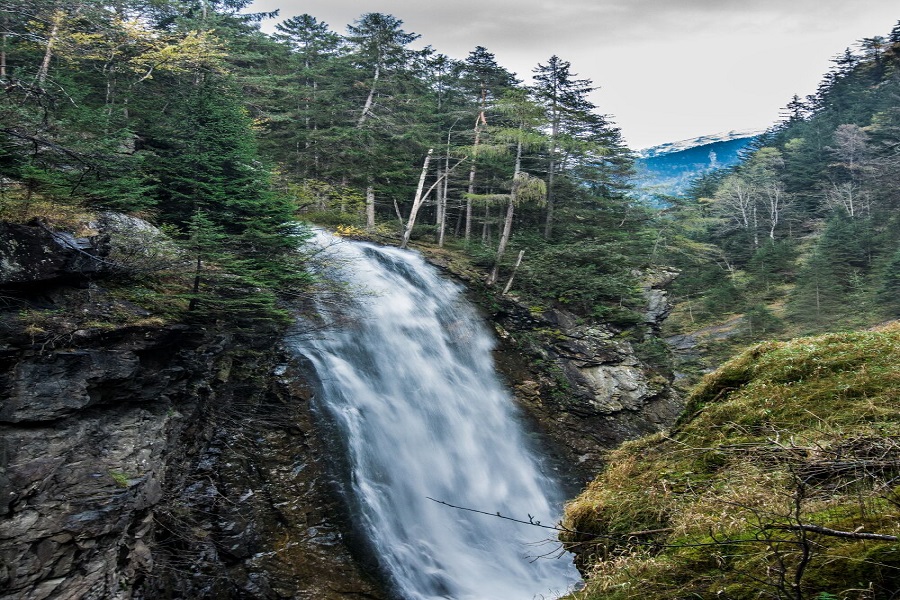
408 381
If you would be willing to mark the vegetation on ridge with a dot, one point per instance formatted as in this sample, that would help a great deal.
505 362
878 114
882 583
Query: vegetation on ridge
781 481
190 116
802 237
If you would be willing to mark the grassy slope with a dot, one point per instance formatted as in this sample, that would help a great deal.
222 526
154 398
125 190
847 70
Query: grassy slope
784 436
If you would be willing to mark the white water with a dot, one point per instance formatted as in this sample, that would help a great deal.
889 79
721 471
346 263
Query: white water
408 380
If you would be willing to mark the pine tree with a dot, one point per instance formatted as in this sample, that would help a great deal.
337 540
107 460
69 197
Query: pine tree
565 100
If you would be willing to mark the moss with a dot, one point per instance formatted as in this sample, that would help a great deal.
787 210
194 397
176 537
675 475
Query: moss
788 433
119 477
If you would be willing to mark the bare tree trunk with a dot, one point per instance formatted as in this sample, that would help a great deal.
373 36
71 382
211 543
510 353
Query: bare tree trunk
755 228
507 223
478 126
417 201
438 217
3 54
44 69
515 268
443 196
370 206
504 240
370 99
399 216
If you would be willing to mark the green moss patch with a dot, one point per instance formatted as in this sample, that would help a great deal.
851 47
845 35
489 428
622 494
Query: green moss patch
787 457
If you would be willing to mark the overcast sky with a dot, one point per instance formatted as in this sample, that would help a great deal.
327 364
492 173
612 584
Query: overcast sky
667 69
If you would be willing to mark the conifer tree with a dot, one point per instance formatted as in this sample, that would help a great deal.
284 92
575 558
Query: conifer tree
565 99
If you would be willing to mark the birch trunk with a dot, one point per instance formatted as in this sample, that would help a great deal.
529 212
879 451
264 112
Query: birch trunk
507 222
478 125
438 205
443 196
370 206
512 276
504 240
417 201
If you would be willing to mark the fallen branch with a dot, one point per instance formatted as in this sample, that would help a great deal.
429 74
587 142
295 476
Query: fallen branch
560 528
853 535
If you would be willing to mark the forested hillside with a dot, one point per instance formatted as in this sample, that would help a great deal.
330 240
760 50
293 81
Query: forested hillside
189 115
186 116
802 237
779 479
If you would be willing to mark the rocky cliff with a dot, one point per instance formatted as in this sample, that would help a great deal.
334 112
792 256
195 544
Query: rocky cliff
150 460
580 381
143 458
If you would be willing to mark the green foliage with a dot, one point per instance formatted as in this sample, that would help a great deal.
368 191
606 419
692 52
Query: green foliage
889 290
806 226
760 321
570 273
119 477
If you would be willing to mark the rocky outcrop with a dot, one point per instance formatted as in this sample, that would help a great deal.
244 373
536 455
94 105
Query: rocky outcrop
582 381
579 381
158 463
658 304
151 461
34 254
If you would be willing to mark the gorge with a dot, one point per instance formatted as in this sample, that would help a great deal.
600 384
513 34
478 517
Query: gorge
151 460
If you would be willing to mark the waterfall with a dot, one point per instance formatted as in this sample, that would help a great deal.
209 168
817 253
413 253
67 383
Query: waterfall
407 380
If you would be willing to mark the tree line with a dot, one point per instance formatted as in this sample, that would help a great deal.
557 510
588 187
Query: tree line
805 231
187 112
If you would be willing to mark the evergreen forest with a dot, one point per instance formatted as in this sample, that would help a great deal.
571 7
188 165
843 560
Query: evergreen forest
233 143
189 115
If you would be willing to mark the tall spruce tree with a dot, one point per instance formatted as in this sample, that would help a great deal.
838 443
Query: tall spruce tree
565 100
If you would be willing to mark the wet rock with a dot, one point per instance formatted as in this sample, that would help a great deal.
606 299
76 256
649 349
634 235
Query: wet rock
582 381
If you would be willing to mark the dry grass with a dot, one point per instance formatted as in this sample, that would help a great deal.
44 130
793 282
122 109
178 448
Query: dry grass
16 207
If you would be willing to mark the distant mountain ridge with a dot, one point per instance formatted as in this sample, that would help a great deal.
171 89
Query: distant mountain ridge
703 140
669 169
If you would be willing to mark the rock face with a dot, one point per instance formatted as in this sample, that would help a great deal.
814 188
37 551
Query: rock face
582 382
162 465
35 254
155 462
658 303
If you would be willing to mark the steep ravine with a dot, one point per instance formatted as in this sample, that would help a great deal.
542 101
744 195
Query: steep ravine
173 461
